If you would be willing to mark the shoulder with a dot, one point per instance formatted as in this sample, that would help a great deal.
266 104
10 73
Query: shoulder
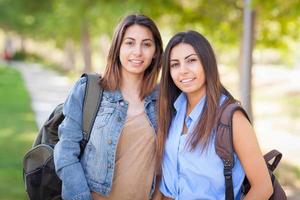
76 94
81 83
154 94
79 87
239 117
242 128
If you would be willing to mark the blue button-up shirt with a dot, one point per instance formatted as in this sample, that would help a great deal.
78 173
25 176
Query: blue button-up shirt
194 174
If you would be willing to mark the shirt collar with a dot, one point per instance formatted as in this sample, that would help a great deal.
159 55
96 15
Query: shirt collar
196 112
116 95
181 101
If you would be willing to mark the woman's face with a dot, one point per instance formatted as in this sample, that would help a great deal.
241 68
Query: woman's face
186 70
137 50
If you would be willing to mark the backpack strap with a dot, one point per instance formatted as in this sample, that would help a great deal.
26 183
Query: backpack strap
269 156
91 104
224 144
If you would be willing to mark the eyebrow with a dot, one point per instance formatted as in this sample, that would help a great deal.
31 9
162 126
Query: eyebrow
184 58
147 39
190 55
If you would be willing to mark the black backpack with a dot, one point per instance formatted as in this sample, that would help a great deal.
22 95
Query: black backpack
41 181
224 149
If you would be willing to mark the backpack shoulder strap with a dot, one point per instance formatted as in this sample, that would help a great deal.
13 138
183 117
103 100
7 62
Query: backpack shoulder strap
224 144
91 103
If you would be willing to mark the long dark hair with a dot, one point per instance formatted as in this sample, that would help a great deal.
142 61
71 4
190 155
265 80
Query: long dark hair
112 76
169 92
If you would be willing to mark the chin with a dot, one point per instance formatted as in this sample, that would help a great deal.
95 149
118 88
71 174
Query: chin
188 90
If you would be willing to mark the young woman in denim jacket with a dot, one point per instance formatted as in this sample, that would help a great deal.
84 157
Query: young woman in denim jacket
118 161
190 95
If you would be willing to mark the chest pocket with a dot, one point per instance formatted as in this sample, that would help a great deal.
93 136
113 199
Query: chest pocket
103 116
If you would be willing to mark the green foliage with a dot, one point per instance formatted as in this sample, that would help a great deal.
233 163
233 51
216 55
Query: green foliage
23 16
34 58
277 22
220 20
24 56
17 131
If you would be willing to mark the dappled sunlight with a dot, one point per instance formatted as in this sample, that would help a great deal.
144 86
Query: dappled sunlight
276 112
72 37
17 132
28 136
28 117
6 132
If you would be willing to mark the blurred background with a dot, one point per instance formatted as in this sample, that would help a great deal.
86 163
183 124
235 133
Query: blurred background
46 45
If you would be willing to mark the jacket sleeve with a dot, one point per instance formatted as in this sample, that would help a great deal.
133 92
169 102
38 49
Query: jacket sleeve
67 150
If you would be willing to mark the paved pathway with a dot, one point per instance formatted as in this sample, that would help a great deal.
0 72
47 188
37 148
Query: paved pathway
47 89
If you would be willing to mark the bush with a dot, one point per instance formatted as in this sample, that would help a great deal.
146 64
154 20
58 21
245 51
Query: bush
24 56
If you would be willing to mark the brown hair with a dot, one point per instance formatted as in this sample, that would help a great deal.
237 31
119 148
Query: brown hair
169 92
112 76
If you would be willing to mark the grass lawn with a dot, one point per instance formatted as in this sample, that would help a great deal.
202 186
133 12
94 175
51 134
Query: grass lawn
17 131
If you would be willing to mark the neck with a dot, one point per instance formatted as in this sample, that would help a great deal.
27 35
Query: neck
193 99
131 86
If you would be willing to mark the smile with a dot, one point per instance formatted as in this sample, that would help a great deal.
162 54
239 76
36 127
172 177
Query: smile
187 80
136 61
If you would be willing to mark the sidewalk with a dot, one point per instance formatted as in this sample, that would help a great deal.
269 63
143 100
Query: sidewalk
47 89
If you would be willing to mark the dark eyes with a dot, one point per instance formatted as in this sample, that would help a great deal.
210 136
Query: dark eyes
131 43
174 65
191 60
147 44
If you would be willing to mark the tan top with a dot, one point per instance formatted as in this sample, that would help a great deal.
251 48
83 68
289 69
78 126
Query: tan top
135 161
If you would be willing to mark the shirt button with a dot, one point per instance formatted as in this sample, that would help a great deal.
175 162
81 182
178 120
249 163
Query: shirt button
109 141
122 103
109 165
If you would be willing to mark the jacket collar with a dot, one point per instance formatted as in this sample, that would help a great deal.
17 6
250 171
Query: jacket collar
116 95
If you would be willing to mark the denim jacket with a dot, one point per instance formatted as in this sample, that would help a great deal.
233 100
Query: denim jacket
95 170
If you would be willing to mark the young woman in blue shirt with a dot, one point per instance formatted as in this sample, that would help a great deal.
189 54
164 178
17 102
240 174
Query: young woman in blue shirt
190 95
119 159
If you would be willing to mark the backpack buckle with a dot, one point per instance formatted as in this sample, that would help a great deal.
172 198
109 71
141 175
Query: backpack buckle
227 168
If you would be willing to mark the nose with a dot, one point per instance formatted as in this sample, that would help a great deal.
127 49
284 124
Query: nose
183 69
137 49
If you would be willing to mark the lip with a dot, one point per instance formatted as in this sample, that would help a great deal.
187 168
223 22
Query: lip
186 80
136 61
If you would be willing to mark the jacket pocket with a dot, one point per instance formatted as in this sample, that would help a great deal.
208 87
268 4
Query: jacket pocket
103 116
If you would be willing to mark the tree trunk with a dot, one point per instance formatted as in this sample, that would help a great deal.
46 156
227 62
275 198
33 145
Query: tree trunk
85 44
69 58
246 62
104 45
22 41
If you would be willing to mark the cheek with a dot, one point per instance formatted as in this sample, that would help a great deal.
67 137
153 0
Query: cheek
150 53
122 50
122 54
173 75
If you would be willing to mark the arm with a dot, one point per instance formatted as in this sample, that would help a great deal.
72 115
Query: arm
248 151
67 150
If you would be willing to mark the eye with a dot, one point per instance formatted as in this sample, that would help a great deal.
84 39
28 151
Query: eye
191 60
174 65
129 42
147 44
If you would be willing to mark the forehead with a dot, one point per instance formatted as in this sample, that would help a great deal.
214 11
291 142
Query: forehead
182 50
138 32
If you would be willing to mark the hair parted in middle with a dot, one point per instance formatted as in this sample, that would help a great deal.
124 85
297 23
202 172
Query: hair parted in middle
112 76
169 92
